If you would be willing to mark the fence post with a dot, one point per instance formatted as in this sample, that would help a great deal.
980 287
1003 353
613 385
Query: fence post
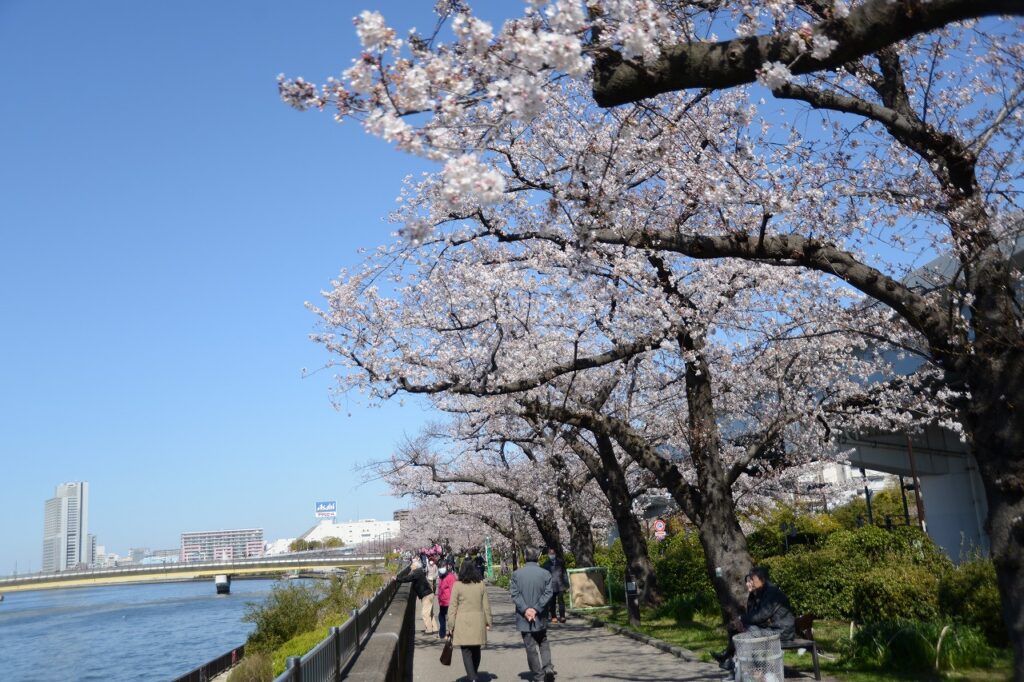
355 626
336 636
294 664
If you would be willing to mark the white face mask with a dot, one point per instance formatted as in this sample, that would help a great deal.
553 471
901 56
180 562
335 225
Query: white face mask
442 570
551 556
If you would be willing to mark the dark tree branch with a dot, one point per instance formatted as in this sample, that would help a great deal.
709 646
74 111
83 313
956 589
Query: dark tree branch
870 27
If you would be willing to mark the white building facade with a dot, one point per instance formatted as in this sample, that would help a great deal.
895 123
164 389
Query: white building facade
222 545
354 532
66 540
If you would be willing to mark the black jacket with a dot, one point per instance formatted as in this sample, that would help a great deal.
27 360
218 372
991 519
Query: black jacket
418 578
769 608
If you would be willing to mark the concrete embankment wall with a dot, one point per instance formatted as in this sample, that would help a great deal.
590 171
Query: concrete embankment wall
387 656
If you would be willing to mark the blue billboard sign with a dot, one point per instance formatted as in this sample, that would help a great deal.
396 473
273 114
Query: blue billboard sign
327 509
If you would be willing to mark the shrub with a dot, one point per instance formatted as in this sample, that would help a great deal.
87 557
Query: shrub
913 647
683 607
894 591
502 580
288 610
819 582
885 502
825 581
254 667
970 595
682 573
767 539
614 559
298 645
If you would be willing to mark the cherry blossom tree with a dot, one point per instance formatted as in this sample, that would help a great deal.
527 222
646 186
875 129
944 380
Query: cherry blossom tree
917 153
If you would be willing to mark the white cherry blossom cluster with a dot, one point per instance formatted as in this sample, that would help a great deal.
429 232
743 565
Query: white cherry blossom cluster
468 183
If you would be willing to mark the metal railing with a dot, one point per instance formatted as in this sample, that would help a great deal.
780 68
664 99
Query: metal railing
328 659
210 669
270 563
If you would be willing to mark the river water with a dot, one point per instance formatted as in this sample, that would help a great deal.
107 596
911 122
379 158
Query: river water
125 632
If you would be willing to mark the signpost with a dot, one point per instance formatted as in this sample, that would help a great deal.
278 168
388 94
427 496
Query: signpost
487 556
659 529
327 509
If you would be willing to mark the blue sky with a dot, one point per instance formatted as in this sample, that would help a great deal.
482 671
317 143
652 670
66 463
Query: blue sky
163 219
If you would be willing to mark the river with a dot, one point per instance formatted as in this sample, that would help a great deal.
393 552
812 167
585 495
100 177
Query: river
125 632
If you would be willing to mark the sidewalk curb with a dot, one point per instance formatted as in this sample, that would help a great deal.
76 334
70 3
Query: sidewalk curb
677 651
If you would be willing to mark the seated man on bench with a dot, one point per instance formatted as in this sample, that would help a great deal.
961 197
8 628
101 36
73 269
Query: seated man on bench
768 612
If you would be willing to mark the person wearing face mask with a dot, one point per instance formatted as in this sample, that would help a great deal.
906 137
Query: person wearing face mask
559 581
445 580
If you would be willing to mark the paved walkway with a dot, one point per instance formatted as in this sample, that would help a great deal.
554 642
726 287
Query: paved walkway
578 651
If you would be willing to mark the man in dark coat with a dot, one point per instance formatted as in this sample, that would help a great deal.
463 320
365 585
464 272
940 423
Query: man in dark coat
768 612
559 581
414 573
768 609
531 591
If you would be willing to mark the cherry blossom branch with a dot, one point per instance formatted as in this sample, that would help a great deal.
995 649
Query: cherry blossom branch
867 28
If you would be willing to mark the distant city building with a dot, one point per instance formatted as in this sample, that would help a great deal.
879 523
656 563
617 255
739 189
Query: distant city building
279 546
137 554
222 545
66 540
102 559
167 554
354 532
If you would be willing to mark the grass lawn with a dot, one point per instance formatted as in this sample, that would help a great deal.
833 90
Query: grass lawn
703 634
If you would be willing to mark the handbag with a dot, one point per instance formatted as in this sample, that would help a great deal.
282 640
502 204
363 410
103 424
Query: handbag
446 652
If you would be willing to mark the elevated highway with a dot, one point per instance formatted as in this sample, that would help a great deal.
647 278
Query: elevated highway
195 570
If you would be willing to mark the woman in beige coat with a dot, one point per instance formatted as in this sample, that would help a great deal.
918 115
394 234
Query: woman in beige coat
469 616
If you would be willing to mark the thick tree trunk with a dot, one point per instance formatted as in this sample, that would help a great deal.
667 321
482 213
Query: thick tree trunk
631 533
725 547
725 552
548 529
995 423
581 536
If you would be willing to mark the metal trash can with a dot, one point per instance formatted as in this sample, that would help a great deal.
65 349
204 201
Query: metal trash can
758 657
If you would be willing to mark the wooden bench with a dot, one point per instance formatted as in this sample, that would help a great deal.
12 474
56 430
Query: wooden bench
805 640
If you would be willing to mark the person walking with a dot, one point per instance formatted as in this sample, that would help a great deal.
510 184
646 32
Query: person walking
445 583
469 617
414 573
559 581
531 591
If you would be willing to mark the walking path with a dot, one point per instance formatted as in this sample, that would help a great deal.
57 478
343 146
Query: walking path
578 651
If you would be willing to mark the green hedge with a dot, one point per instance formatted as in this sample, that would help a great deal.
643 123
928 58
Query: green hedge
683 575
896 591
969 595
866 563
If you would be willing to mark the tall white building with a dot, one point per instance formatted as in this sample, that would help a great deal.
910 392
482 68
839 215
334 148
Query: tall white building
66 540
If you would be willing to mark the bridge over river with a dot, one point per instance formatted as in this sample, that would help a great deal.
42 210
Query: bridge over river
303 562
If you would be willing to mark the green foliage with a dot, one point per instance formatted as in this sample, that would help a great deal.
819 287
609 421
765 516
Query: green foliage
333 543
885 502
288 610
826 581
969 594
502 580
683 608
914 647
614 559
819 582
810 530
296 646
896 591
254 667
683 575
